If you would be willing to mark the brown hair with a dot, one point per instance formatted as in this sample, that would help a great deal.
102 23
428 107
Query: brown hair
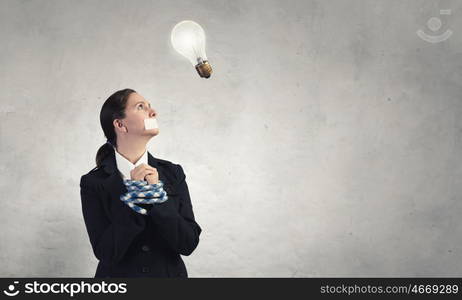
113 108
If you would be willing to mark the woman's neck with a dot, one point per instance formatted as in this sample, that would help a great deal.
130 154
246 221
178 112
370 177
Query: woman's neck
132 150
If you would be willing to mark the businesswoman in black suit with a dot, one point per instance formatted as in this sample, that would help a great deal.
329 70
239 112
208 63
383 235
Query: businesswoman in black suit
126 242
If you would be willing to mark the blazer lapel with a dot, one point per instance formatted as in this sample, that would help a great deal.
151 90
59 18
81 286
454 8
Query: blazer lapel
153 163
114 182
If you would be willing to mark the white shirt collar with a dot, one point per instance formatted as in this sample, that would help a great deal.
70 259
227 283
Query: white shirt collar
125 166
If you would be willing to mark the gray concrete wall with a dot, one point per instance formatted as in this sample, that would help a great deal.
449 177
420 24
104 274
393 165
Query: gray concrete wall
324 144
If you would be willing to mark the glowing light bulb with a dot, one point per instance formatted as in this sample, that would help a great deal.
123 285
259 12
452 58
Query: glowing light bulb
188 39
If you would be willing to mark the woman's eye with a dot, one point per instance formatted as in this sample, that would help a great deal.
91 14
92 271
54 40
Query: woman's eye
141 105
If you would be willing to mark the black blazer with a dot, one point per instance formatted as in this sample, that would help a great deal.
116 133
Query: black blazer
129 244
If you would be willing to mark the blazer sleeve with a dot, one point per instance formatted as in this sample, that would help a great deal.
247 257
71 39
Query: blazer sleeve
178 227
109 240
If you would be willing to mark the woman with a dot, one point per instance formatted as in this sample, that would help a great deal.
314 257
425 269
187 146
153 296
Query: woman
133 239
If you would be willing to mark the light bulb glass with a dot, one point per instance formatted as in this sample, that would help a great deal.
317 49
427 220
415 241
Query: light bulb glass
188 39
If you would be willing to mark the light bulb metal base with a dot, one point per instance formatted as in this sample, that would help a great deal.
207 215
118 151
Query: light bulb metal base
204 69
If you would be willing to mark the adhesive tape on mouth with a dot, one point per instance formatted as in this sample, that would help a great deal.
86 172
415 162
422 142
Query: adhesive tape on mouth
150 123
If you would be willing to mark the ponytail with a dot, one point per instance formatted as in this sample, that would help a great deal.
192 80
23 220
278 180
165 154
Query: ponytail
103 151
113 108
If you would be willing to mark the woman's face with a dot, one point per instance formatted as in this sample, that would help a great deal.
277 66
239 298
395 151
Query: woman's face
137 110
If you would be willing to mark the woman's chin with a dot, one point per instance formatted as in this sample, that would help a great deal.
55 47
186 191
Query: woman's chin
152 132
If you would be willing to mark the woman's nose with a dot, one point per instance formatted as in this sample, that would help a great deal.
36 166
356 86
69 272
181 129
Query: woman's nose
152 113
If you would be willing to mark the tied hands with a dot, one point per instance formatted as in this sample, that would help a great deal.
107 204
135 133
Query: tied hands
138 191
145 172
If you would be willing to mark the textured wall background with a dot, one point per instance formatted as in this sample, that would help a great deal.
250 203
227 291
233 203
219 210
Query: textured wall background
324 144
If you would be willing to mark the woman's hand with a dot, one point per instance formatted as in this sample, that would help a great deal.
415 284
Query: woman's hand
152 178
145 172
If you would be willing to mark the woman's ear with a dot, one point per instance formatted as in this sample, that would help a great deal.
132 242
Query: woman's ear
118 125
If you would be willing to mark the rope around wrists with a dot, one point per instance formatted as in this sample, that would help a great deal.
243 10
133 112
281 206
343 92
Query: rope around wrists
140 191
